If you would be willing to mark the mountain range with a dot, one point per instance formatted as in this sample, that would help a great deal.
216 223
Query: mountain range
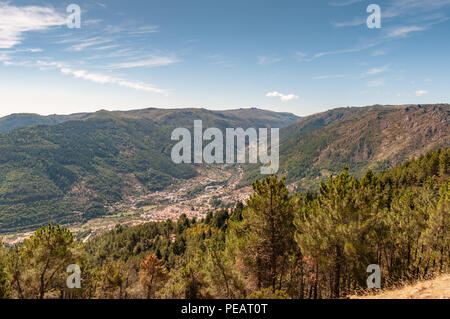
375 137
52 167
84 162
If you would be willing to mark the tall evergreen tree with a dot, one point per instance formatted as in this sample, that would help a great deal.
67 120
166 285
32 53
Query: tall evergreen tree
265 234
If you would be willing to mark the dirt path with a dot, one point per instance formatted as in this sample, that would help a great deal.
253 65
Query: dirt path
438 288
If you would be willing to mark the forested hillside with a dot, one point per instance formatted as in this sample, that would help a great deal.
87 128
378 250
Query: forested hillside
276 245
73 171
17 121
374 137
250 117
50 172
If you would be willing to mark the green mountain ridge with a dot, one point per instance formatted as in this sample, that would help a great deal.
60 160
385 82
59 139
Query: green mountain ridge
21 120
48 172
373 137
249 117
54 172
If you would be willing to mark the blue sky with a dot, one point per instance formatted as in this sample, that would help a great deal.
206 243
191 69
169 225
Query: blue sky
295 56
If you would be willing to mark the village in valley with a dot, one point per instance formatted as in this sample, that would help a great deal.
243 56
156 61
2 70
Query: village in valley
216 187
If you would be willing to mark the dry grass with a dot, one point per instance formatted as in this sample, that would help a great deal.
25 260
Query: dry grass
438 288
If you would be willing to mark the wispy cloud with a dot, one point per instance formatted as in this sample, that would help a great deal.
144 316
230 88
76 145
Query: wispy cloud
99 78
121 53
413 7
283 97
107 47
14 21
389 34
8 54
403 31
152 61
301 56
86 43
377 70
131 29
354 49
266 60
219 59
144 30
343 3
396 9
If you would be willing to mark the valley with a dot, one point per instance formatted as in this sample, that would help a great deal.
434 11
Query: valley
90 172
215 186
224 151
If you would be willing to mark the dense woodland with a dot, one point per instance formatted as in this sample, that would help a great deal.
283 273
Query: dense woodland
84 162
90 162
276 245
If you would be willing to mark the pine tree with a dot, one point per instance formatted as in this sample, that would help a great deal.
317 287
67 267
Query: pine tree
38 265
5 285
265 235
152 274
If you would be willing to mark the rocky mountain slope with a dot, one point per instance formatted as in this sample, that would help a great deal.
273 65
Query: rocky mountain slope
374 137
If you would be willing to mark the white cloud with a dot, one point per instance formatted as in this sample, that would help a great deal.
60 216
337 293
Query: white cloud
149 62
100 78
325 53
283 97
106 79
403 31
378 70
14 21
107 47
144 30
344 3
88 43
301 57
412 7
266 60
289 97
219 59
421 92
424 14
389 34
131 30
428 80
398 8
379 52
